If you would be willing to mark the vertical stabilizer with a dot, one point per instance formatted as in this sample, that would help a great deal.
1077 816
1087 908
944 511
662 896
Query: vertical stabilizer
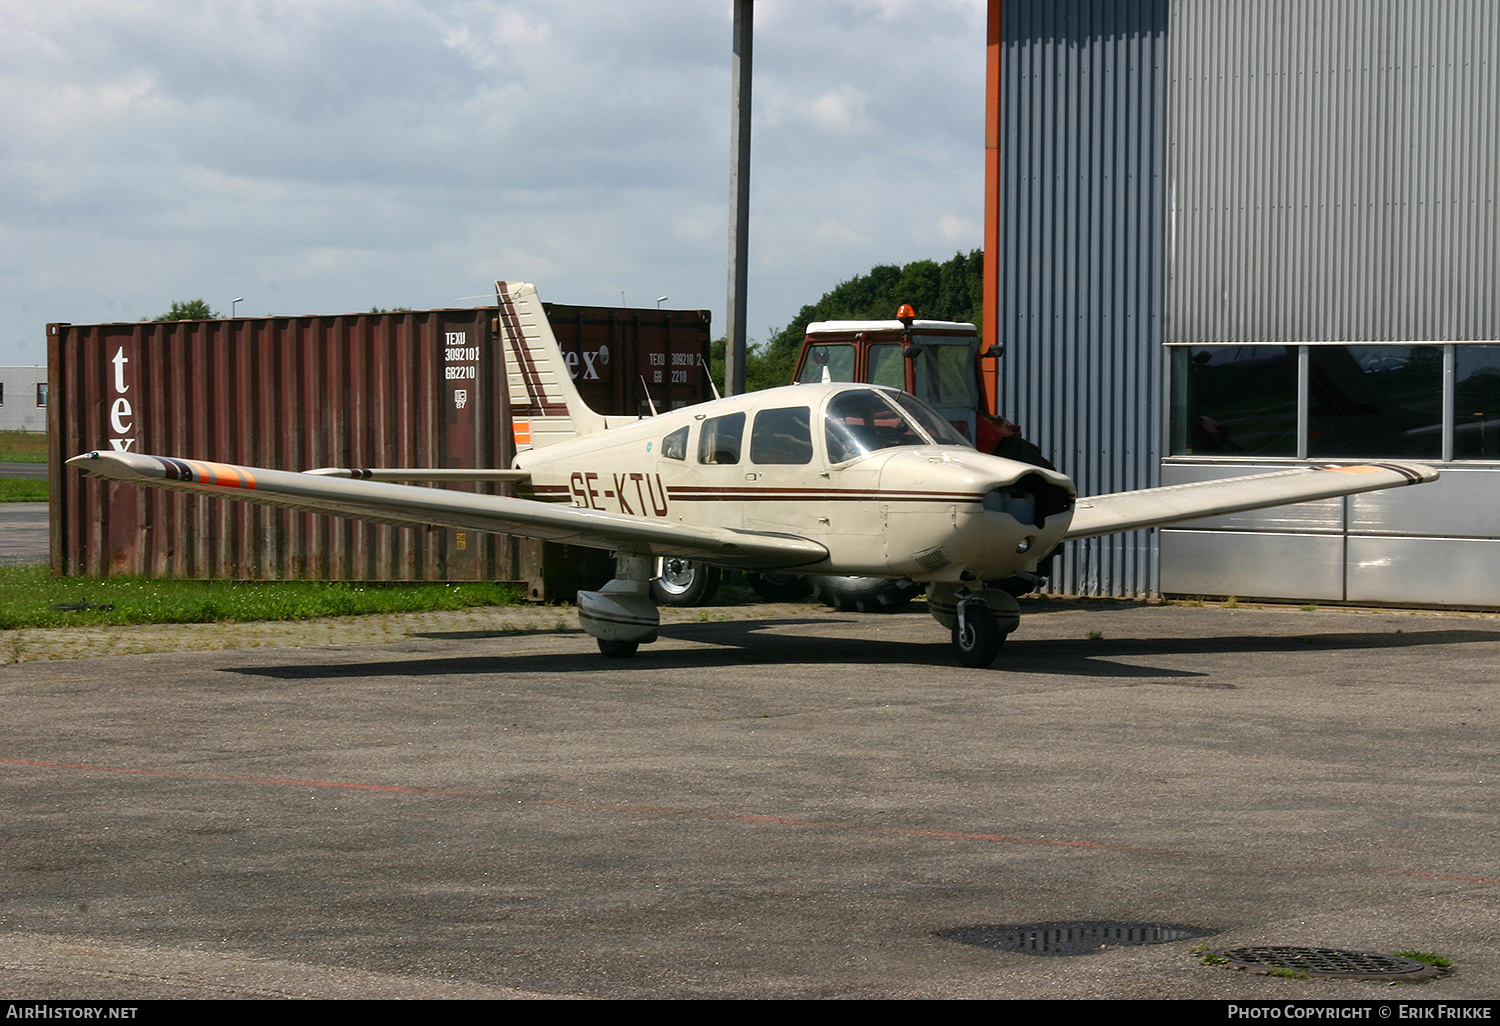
545 406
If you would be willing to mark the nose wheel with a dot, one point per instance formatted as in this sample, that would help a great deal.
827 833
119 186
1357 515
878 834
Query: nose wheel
977 636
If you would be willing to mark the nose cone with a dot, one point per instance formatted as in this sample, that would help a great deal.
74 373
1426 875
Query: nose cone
971 517
975 474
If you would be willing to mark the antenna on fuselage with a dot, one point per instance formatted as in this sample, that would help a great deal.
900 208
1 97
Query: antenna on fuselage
647 390
709 375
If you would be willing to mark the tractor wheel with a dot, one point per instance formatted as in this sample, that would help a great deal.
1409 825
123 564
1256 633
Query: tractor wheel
864 594
780 587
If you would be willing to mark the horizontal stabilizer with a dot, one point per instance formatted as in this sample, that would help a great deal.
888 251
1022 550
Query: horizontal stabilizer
1152 507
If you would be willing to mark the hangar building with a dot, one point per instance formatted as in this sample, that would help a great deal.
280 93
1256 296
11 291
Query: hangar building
1224 236
23 398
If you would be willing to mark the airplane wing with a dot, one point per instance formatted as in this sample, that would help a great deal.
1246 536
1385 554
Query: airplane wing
1151 507
406 505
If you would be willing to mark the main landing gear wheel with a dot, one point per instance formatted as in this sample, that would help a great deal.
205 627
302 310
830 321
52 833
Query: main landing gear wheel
684 583
977 637
618 649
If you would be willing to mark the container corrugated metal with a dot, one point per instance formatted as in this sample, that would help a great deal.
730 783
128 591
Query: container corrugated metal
407 389
1334 170
620 355
1078 107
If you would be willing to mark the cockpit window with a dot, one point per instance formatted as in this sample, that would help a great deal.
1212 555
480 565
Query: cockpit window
782 436
719 440
674 446
860 422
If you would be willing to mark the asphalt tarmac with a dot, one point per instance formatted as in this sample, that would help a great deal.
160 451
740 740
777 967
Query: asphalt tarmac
24 533
788 804
34 471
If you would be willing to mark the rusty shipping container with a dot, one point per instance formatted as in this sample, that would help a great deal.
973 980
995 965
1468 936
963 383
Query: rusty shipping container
406 389
620 355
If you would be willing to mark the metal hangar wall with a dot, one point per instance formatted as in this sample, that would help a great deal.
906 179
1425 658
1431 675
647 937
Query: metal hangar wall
1233 236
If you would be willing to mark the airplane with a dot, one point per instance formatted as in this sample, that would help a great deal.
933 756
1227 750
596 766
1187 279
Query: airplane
818 478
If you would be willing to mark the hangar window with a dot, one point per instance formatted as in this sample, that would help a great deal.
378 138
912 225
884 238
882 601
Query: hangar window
719 440
1476 403
1235 400
782 436
1375 401
1422 401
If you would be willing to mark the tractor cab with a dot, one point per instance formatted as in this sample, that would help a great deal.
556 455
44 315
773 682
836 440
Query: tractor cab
936 361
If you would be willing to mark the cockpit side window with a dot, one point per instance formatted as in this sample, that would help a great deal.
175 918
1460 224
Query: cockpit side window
720 438
674 446
782 436
860 422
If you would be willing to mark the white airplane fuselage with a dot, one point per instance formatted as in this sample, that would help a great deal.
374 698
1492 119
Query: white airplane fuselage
928 512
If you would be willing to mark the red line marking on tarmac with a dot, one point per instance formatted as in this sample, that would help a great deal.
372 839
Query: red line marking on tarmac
240 779
1438 876
655 810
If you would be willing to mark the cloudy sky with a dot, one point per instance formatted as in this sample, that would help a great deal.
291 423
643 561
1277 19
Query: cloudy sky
327 157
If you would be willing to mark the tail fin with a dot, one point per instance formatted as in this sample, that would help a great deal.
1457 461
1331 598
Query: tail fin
545 406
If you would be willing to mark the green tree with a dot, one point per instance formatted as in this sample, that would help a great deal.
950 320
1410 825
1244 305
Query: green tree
950 291
189 310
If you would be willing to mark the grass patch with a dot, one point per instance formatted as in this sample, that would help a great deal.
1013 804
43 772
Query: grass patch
1427 957
23 489
27 594
23 446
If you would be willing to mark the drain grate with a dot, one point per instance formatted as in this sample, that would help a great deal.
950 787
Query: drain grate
1346 965
1077 938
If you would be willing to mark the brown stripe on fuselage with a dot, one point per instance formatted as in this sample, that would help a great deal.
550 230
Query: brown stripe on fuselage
695 494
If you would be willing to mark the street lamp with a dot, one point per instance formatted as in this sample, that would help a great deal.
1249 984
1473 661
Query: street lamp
660 300
233 304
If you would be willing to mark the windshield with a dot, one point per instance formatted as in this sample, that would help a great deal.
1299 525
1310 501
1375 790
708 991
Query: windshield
864 421
934 423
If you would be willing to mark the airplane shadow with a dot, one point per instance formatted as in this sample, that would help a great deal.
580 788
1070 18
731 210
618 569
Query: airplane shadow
754 643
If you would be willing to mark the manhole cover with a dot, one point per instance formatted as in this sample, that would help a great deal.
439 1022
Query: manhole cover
1070 938
1347 965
